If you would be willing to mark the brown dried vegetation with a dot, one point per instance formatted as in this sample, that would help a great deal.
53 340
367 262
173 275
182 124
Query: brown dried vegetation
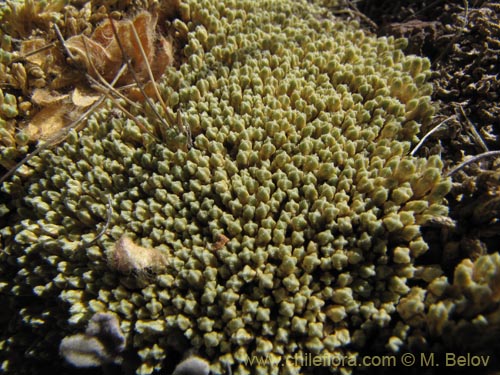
58 81
102 55
127 257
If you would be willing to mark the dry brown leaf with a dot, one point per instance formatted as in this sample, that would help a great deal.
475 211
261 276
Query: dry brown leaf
102 51
83 98
40 58
48 121
50 61
44 97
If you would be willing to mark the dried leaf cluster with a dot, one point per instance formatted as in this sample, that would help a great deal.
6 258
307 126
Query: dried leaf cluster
57 80
102 56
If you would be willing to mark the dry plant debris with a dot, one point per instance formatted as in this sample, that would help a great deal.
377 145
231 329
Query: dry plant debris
102 51
129 52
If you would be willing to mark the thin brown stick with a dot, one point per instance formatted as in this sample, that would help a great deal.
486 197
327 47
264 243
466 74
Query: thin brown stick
151 78
34 52
414 15
55 139
102 89
105 84
109 213
105 88
472 160
428 134
103 80
134 75
63 42
361 15
148 67
475 134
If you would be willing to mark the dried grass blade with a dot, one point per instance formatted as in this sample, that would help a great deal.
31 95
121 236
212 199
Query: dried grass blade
134 75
